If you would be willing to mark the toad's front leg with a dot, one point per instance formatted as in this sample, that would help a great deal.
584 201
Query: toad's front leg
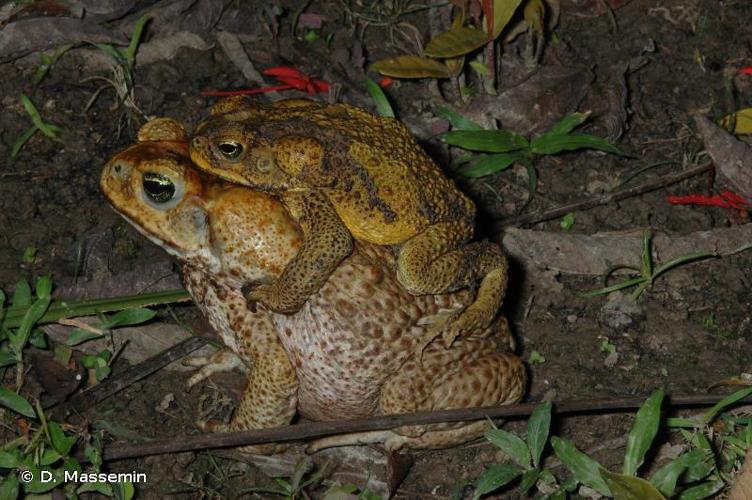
326 241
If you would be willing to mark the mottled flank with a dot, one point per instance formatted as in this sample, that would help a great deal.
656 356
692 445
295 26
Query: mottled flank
365 176
350 351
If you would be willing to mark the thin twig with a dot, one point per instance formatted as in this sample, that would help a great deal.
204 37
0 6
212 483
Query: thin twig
603 199
117 383
321 429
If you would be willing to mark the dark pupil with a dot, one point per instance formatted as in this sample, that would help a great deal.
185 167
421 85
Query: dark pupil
230 149
158 187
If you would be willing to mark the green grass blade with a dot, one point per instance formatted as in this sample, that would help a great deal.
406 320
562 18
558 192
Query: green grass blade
722 404
491 164
613 288
643 432
111 51
383 108
18 144
647 257
69 309
704 490
584 469
49 130
682 260
548 144
487 141
568 124
33 313
511 445
457 121
537 431
130 53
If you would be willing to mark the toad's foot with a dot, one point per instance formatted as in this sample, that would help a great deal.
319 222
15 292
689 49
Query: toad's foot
273 298
223 360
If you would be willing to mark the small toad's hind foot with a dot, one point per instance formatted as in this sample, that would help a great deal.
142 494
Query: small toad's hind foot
224 360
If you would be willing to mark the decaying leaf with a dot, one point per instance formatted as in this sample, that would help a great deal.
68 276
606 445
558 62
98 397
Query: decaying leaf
630 488
503 10
732 157
456 42
412 67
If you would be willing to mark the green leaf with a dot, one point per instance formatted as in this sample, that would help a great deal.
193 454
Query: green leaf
10 459
129 317
32 315
503 10
529 478
625 487
9 487
50 456
412 67
494 478
567 221
547 144
7 359
583 468
79 335
18 404
383 108
487 141
43 287
666 477
111 51
490 164
511 445
124 490
703 490
21 294
455 42
60 441
537 431
643 432
568 124
457 121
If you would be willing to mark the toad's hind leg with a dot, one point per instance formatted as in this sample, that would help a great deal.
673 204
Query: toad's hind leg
471 374
438 261
458 378
326 241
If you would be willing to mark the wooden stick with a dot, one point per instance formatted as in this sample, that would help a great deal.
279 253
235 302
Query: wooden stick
603 199
115 384
321 429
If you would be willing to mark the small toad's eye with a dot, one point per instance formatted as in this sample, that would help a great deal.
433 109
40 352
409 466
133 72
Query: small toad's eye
230 149
158 187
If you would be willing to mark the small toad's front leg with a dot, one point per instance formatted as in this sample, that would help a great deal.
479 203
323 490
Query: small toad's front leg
326 241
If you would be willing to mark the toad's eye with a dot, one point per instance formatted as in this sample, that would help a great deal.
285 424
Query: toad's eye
158 187
230 149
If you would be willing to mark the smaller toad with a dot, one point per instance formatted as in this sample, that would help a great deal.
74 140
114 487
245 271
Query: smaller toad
344 173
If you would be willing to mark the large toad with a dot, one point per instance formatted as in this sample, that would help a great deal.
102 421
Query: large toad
343 172
350 351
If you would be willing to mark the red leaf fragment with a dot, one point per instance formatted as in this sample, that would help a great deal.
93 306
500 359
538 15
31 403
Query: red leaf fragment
385 82
747 70
290 77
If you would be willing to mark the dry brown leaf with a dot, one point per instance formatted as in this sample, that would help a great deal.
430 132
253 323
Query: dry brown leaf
742 489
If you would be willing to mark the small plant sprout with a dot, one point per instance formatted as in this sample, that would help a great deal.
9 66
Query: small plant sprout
294 487
123 80
526 457
38 125
383 108
648 273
